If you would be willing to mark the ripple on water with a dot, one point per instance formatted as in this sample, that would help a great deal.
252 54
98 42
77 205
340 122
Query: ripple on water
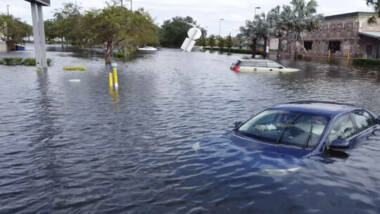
164 147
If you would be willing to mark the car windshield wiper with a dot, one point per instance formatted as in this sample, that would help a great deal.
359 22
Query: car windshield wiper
286 128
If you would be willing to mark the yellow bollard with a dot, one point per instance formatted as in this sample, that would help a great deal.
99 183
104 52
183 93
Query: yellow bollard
111 80
116 81
329 55
348 57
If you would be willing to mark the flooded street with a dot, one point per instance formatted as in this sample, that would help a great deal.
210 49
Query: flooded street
163 146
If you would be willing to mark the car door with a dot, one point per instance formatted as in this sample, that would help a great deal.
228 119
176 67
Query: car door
342 129
274 66
364 122
245 66
261 66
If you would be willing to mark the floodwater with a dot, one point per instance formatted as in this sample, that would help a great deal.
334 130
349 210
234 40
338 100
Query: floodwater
161 144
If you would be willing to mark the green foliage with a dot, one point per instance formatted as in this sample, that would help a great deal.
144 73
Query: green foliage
113 25
74 68
376 6
373 63
211 41
173 32
288 21
13 30
119 55
220 42
229 42
11 61
29 62
203 40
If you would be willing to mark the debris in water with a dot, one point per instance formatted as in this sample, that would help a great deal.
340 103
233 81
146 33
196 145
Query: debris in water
196 147
281 172
74 80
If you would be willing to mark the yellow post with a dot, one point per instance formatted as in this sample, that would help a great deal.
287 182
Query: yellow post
116 81
329 56
111 80
348 57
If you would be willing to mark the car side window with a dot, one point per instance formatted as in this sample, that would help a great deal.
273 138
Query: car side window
343 129
363 120
260 64
274 65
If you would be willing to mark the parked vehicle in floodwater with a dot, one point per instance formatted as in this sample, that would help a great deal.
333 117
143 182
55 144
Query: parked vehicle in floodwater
307 128
260 65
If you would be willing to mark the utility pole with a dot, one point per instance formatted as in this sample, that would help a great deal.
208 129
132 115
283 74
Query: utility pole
220 26
8 9
256 8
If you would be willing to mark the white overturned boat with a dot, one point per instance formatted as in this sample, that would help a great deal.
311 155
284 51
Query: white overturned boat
147 49
260 66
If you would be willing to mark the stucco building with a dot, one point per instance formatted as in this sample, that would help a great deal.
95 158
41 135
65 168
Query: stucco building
341 34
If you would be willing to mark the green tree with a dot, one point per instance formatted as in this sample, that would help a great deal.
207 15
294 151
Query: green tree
211 41
68 24
304 18
255 30
13 30
174 31
203 40
376 6
229 42
221 43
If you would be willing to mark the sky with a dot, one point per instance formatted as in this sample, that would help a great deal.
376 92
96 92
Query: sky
207 13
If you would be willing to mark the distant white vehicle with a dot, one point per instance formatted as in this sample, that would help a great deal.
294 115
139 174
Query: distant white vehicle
147 49
260 66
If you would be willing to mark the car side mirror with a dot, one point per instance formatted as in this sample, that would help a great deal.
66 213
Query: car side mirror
281 67
339 144
237 125
377 120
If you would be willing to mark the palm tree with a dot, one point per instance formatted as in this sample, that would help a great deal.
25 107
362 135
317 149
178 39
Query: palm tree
255 30
280 23
376 7
304 18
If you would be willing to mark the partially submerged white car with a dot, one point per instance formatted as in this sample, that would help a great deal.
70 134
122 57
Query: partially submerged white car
260 66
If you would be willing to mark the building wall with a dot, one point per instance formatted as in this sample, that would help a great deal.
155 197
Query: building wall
345 30
3 47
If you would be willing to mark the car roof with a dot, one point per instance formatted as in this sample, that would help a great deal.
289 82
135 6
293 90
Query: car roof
323 108
256 60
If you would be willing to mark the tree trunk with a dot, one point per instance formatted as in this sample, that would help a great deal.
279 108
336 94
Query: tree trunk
279 48
265 47
254 41
109 52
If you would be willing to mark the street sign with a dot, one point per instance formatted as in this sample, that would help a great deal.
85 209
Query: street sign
194 34
42 2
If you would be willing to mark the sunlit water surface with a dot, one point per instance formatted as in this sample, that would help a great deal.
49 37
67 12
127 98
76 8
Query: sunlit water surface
162 145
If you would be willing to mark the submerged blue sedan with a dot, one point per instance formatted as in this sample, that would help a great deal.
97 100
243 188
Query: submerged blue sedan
307 128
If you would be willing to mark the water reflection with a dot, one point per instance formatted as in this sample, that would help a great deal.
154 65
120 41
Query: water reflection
162 143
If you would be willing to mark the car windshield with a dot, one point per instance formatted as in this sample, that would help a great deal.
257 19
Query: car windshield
286 127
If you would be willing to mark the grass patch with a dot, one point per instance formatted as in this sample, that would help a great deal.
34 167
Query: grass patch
74 68
369 63
12 61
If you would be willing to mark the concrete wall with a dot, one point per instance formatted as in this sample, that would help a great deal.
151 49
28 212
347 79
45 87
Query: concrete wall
3 47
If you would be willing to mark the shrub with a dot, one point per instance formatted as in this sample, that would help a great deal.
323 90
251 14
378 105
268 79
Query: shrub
12 61
119 55
74 68
373 63
21 61
29 62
